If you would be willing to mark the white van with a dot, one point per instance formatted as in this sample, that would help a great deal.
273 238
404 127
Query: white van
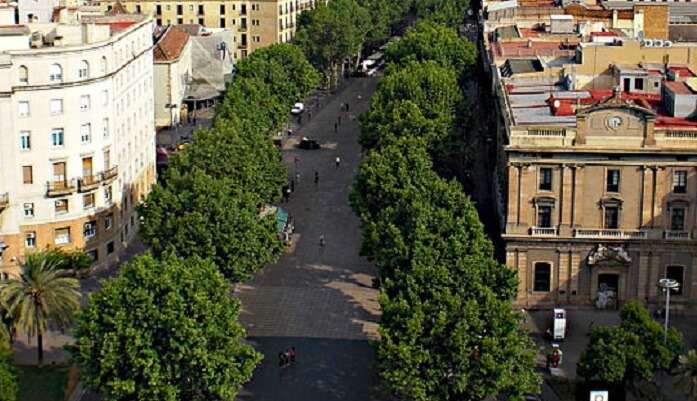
559 325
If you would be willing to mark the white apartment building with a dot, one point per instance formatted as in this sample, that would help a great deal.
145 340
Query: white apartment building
77 143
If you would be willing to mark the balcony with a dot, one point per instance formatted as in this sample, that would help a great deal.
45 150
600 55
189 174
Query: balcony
59 188
610 234
4 201
678 235
543 231
242 28
88 183
110 174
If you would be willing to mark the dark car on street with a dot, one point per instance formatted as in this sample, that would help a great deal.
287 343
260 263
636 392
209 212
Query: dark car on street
309 144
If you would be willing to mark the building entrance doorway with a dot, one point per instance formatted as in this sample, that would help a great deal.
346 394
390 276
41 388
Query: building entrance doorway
608 290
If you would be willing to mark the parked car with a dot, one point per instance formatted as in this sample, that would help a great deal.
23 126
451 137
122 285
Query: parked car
298 108
309 144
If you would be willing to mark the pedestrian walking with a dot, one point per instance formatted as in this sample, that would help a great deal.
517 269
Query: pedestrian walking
297 178
336 128
316 177
292 354
286 194
282 359
309 115
347 107
321 241
292 186
338 161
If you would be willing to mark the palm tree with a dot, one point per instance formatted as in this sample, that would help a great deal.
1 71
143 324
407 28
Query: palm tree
42 297
686 374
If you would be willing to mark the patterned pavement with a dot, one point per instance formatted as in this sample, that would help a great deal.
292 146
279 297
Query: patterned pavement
318 299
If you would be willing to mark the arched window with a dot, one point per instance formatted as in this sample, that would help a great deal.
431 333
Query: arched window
105 65
542 277
56 73
676 273
84 70
23 74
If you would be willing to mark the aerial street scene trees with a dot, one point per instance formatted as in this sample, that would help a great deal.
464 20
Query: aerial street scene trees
369 200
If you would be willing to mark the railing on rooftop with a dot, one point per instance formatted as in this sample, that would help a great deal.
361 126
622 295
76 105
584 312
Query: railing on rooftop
543 231
610 234
554 132
677 235
681 134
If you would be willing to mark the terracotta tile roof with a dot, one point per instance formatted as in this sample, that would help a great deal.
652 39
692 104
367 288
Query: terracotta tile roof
170 45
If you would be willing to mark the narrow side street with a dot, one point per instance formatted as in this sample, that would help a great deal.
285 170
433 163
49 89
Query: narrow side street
318 299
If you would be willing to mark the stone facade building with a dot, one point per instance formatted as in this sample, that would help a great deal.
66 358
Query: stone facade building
77 143
258 23
596 168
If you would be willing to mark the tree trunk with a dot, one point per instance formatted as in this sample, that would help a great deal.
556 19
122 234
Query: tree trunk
40 347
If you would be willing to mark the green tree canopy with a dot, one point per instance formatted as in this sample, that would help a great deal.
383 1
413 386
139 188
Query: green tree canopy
631 352
452 347
254 103
163 330
332 33
284 68
432 88
447 12
247 161
41 298
686 375
431 41
8 373
197 215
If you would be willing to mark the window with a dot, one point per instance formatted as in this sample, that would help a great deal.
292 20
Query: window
158 9
677 218
676 273
180 21
545 179
84 102
222 22
180 9
28 210
543 277
612 217
167 7
93 254
23 109
544 216
85 134
25 140
200 9
105 65
191 7
201 22
57 138
90 229
105 97
55 73
110 248
30 240
23 74
612 183
84 70
61 206
105 127
108 221
88 201
138 11
59 171
222 9
62 236
639 84
108 194
27 175
56 106
680 182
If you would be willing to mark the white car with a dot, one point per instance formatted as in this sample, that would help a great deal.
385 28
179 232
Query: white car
298 108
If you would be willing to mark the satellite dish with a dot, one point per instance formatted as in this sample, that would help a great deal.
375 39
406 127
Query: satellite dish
557 103
640 35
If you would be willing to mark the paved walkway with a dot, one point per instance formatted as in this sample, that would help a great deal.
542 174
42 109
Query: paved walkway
319 300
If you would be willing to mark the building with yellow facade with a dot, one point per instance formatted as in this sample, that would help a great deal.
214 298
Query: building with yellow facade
258 23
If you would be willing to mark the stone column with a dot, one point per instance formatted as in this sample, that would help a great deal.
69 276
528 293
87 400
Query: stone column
575 271
654 275
576 219
566 202
642 291
563 263
693 278
527 183
513 201
646 216
523 275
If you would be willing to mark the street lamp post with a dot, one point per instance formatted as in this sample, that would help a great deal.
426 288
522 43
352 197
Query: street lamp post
668 285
